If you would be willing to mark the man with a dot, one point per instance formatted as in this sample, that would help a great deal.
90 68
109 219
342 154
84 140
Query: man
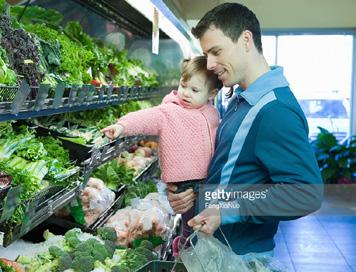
261 142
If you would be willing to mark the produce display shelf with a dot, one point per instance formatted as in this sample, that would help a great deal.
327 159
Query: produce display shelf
101 155
67 224
25 102
38 213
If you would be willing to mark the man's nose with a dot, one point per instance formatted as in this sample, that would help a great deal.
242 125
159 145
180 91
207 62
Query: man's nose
211 63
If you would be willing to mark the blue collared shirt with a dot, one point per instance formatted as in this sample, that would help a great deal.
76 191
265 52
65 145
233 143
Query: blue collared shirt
264 84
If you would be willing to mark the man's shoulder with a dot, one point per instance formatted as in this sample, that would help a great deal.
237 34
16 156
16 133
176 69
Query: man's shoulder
285 102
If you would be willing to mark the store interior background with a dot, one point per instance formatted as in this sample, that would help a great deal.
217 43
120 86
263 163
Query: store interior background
315 42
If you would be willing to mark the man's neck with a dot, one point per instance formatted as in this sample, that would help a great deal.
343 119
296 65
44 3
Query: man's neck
257 67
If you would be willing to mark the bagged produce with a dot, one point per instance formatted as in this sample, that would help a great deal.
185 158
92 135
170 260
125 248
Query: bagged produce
95 199
145 218
208 254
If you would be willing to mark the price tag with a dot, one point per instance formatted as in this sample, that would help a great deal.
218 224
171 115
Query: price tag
20 97
82 94
126 92
90 93
121 93
41 97
110 89
58 95
101 92
2 238
155 32
73 95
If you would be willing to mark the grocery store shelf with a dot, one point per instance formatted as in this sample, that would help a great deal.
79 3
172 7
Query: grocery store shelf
104 154
66 224
35 216
27 102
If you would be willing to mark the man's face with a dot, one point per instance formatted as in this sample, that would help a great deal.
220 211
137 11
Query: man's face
226 58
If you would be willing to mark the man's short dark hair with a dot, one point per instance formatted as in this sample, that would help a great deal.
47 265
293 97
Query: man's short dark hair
232 19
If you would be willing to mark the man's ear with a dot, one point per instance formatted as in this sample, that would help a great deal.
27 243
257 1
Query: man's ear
247 39
212 94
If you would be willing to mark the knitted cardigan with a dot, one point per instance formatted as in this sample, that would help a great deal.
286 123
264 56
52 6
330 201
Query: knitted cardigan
186 136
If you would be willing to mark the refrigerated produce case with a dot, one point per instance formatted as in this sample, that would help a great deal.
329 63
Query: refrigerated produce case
110 23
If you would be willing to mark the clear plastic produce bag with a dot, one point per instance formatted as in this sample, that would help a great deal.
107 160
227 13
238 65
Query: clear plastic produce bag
208 254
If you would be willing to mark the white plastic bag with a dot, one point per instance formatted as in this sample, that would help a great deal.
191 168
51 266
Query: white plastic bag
208 254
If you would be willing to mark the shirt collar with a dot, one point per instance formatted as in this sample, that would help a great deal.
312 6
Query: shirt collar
263 85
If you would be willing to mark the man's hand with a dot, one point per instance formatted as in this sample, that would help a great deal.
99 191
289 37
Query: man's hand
208 221
181 202
113 131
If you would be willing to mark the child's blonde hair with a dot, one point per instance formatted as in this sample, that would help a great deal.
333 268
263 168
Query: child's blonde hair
198 65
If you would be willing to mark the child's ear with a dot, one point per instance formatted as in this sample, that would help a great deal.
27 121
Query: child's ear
213 93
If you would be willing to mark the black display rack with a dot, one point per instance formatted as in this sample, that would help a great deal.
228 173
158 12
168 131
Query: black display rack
25 102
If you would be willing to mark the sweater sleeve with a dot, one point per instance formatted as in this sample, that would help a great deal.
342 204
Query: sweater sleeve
147 121
295 188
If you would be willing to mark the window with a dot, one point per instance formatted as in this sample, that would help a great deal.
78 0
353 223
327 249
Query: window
319 70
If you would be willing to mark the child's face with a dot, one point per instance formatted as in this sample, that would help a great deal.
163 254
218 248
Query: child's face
194 93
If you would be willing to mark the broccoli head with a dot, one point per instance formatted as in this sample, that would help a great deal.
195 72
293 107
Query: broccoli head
100 253
148 254
110 247
83 247
147 244
64 262
72 233
83 263
55 251
71 237
107 233
73 242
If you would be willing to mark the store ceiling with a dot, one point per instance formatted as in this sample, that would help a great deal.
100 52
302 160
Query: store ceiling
279 14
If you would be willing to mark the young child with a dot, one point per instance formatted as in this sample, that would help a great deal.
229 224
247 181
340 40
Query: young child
186 124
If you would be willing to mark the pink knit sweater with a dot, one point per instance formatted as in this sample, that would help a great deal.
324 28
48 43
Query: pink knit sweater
186 136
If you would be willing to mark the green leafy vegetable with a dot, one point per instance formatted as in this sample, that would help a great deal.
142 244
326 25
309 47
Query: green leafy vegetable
37 14
7 76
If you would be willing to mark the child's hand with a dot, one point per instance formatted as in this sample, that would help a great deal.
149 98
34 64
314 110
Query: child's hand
113 131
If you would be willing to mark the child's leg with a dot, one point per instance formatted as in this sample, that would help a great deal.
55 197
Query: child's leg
187 231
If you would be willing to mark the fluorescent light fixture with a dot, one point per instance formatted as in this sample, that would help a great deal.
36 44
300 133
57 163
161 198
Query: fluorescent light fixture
146 8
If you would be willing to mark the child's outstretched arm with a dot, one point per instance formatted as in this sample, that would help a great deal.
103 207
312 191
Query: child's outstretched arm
113 131
147 121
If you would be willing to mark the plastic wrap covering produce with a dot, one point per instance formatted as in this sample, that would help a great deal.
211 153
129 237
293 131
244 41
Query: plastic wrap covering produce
146 217
208 254
95 199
